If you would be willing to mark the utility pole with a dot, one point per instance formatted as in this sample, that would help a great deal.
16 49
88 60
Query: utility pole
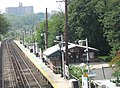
66 34
46 30
66 42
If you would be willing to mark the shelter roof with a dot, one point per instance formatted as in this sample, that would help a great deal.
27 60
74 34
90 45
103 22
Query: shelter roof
56 48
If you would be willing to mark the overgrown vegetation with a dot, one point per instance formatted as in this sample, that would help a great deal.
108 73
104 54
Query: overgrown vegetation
116 62
76 72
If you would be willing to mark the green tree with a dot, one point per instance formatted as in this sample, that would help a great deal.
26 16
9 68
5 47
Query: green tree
111 22
116 61
84 22
4 24
40 34
28 20
76 72
56 27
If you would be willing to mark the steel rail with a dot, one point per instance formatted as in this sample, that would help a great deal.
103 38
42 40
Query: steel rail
21 56
18 73
20 69
12 67
10 76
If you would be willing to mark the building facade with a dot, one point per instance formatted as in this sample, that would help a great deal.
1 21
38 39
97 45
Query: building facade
20 10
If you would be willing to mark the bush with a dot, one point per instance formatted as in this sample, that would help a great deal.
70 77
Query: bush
105 58
76 71
108 59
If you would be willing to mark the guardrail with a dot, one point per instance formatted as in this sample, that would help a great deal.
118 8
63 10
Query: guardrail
56 69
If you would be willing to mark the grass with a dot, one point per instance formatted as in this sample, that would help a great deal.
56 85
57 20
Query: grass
105 58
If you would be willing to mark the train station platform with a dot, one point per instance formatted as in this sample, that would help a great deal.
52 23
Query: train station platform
55 79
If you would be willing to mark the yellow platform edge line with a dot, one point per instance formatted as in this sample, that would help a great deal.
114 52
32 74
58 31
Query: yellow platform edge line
41 70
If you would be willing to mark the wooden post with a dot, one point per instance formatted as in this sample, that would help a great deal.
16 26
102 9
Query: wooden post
46 30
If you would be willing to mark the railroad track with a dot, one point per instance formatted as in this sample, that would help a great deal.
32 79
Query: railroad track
22 72
8 71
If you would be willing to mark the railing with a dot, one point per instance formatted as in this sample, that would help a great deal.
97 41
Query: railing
56 69
73 77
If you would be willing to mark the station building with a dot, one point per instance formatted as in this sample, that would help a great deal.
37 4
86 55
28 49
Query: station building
76 54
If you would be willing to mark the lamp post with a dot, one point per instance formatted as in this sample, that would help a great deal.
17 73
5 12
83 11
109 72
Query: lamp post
66 39
88 61
31 42
60 40
44 35
23 35
60 45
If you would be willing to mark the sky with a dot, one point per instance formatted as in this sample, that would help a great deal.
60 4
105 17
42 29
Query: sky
39 5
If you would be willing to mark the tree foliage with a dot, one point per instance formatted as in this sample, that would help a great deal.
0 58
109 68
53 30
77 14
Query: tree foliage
84 16
4 24
97 20
76 71
116 61
40 34
55 28
28 21
111 22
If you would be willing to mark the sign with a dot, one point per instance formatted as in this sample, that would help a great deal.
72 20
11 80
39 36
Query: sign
89 75
84 82
66 71
85 75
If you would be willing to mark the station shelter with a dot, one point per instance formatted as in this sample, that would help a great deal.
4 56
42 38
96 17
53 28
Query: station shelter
76 54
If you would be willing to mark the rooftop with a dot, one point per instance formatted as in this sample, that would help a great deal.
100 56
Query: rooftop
56 47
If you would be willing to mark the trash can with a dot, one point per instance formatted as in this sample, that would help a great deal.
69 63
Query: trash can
43 59
25 46
31 50
37 55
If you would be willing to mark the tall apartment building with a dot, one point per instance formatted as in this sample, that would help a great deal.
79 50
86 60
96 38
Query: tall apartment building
20 10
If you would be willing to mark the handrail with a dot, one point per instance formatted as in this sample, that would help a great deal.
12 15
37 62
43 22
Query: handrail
56 69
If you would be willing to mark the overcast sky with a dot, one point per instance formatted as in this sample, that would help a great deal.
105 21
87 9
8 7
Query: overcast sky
39 5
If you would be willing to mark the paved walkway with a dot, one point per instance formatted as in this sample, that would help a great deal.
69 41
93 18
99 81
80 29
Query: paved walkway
99 65
94 65
101 69
55 79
